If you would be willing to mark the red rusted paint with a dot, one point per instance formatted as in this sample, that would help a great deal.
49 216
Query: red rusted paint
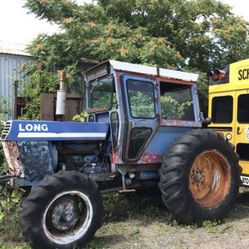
160 78
220 132
167 122
148 157
13 155
115 157
118 81
94 110
115 154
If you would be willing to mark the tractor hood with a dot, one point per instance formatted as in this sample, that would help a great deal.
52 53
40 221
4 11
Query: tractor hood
17 130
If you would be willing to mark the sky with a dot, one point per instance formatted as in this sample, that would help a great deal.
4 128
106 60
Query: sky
19 28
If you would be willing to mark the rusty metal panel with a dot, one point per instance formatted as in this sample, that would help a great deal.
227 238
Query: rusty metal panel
47 107
36 159
73 106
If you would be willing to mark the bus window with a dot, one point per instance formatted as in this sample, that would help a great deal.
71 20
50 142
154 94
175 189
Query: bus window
243 110
222 109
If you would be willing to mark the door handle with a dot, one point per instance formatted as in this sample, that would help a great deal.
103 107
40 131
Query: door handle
239 130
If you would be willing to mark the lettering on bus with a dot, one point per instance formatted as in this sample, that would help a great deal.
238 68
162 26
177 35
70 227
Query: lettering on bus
243 74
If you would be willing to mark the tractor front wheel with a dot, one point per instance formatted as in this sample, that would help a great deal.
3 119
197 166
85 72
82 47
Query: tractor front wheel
199 177
63 211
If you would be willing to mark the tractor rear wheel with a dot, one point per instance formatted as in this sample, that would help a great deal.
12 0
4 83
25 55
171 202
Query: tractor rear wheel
199 177
63 211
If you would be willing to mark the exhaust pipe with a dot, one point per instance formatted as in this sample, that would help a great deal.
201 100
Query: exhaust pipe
61 95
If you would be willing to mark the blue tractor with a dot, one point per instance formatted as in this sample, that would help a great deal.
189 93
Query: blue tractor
144 127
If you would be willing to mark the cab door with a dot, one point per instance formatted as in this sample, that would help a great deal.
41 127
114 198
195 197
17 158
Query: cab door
242 131
140 115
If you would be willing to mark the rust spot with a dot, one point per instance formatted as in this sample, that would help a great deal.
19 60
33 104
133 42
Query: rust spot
115 157
167 122
148 157
220 132
93 110
12 155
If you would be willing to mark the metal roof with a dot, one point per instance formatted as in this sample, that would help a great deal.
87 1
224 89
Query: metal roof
13 49
137 68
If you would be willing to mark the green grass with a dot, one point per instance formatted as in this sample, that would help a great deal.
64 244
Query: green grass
140 207
20 246
10 208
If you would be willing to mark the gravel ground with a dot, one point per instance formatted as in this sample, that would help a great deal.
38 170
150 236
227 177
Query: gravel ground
146 231
138 221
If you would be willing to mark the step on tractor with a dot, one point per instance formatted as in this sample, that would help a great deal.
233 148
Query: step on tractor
144 127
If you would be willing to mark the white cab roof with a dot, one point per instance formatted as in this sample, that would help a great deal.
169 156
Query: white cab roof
166 73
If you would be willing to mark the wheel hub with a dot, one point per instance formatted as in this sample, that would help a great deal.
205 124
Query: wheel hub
65 215
197 176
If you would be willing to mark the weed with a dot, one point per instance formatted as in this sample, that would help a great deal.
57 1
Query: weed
211 225
8 246
96 244
9 214
192 226
132 205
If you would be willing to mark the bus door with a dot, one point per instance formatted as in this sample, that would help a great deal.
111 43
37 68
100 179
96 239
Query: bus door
242 132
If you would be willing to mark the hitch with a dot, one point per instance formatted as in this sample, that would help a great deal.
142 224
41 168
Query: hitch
5 178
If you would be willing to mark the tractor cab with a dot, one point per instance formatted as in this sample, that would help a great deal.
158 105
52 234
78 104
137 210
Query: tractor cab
144 105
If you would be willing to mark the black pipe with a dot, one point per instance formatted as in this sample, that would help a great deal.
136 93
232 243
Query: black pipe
5 178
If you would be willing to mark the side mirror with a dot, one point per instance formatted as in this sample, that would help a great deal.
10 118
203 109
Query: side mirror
205 121
208 121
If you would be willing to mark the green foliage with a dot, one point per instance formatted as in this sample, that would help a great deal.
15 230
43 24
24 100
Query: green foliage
10 207
142 105
203 93
166 33
182 34
121 206
81 117
38 82
10 204
101 93
21 246
214 226
3 116
172 109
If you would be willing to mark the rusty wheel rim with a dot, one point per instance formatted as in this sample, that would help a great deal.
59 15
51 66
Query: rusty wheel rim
210 178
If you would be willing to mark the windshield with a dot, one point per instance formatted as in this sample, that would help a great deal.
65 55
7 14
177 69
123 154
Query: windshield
101 93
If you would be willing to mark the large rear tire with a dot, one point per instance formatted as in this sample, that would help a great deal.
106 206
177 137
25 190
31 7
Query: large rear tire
199 177
63 211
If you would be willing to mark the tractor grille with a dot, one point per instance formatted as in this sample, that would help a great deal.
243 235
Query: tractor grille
6 130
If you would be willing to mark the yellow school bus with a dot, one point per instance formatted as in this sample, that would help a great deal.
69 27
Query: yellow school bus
229 108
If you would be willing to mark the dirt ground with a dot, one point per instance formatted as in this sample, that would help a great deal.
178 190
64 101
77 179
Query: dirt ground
141 221
156 232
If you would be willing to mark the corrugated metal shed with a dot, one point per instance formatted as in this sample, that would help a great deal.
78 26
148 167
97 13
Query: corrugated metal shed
11 61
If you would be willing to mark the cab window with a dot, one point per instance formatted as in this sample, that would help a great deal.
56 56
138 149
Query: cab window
222 109
101 93
243 110
141 99
176 102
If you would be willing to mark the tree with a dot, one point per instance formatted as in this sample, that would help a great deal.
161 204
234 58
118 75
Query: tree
193 35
